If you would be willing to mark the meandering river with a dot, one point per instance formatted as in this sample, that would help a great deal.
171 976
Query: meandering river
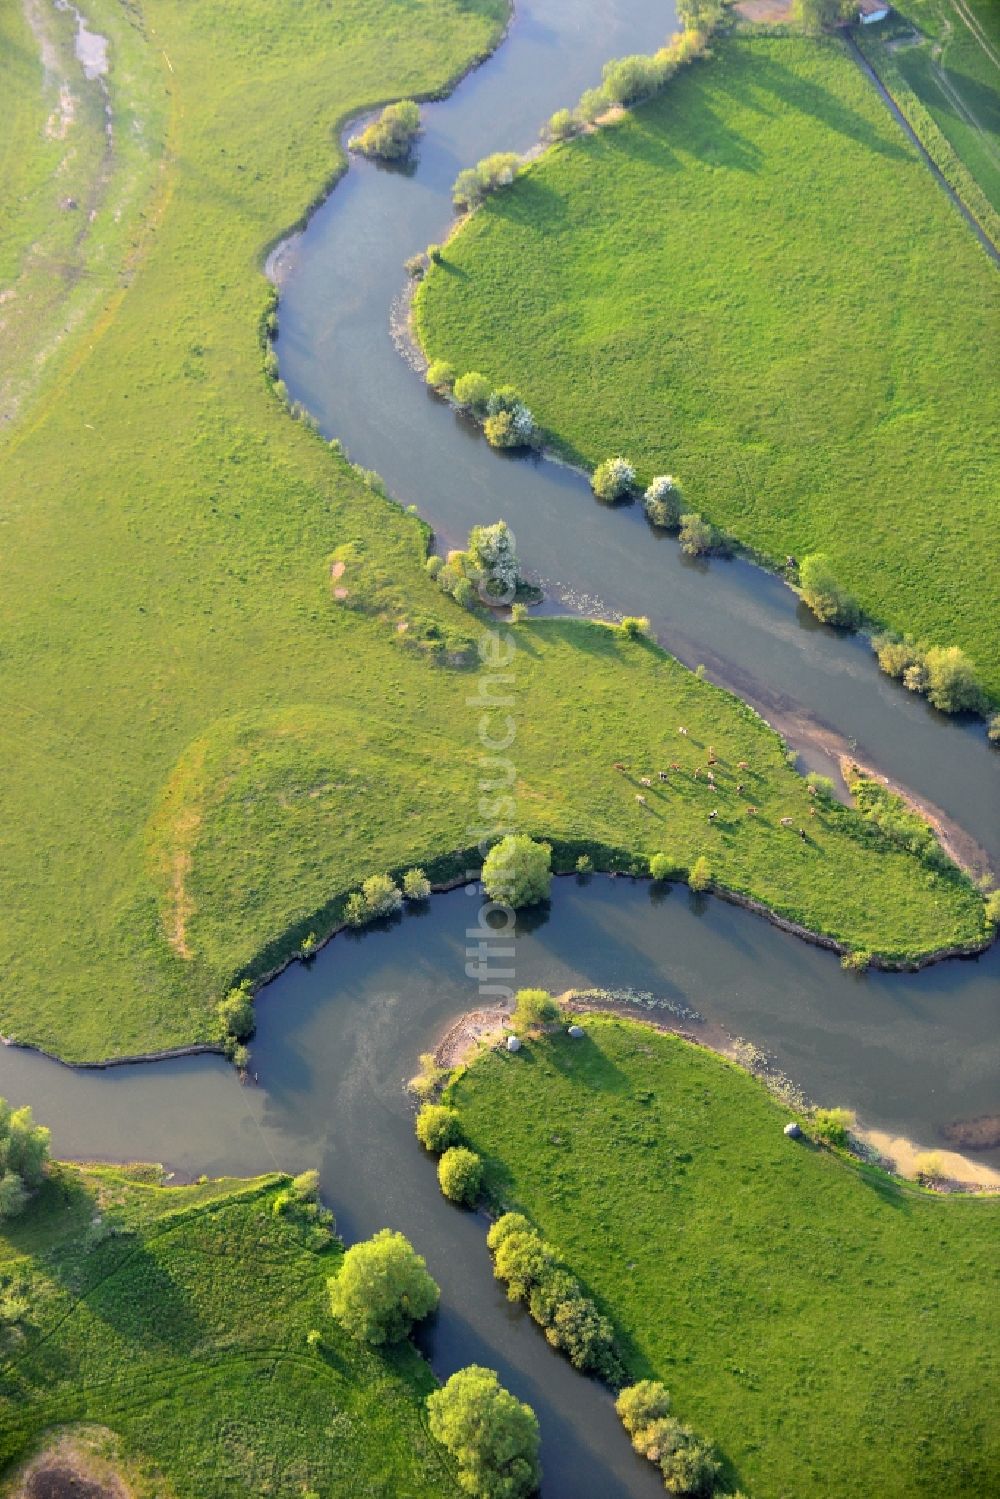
337 1038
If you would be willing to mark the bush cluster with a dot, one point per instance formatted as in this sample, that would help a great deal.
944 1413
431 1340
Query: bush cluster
662 502
474 184
235 1023
613 480
824 595
890 814
392 134
24 1154
833 1126
518 871
300 1203
627 80
570 1320
378 896
688 1463
943 673
534 1008
488 569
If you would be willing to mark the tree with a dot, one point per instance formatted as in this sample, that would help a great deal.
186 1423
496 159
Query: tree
586 1337
492 1436
518 871
437 1127
493 557
613 479
951 680
662 866
382 896
833 1125
662 502
460 1175
992 905
474 183
507 1224
383 1288
440 374
824 595
534 1007
640 1404
698 15
235 1012
697 537
522 1260
700 877
416 885
993 729
635 626
24 1154
628 79
392 134
472 390
815 15
562 125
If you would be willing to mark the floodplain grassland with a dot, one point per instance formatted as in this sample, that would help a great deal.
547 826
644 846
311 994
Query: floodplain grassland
177 1319
749 283
833 1331
209 740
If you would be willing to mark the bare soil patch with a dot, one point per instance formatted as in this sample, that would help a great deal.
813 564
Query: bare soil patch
76 1465
764 10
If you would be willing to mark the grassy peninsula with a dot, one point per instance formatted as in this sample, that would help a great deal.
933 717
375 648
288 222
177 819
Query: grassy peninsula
834 1332
217 719
750 283
176 1318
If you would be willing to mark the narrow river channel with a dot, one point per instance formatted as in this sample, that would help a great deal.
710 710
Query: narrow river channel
337 1038
338 282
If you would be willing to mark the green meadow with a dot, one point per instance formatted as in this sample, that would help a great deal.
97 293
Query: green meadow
833 1331
176 1318
751 283
207 743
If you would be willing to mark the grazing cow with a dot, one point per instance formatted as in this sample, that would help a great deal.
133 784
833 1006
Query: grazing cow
743 765
697 772
713 815
619 765
751 811
640 799
711 754
710 779
786 822
802 834
812 811
811 790
739 788
645 781
682 730
662 774
673 766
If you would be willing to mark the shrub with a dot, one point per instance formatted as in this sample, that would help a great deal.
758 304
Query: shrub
429 1077
240 1056
662 866
415 266
473 184
492 1436
832 1125
434 565
928 1166
628 79
416 885
993 729
613 479
896 656
586 1337
509 1223
634 626
438 1127
382 895
235 1012
472 390
992 907
856 962
562 125
688 1464
518 871
518 613
593 103
584 864
305 1186
534 1007
392 134
700 876
509 423
662 502
463 593
460 1174
383 1288
522 1260
824 595
951 680
440 374
697 537
640 1404
493 558
822 785
355 910
435 254
24 1154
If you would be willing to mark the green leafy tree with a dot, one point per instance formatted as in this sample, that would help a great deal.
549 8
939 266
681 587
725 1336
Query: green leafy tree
824 595
639 1405
952 685
662 866
492 1436
699 15
992 906
504 1227
700 877
662 502
833 1125
416 885
438 1127
460 1174
534 1007
235 1012
440 374
392 134
697 537
817 15
613 480
472 390
518 871
521 1261
383 1288
24 1154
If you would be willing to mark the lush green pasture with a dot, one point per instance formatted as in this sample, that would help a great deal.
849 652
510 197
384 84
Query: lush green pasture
205 748
750 284
836 1334
955 73
177 1318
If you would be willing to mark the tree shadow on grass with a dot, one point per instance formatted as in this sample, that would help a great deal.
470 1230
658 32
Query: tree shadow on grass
808 97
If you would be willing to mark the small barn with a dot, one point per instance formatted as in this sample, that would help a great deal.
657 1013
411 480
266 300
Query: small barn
870 11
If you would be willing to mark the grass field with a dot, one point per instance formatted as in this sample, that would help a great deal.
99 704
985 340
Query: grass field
955 73
750 284
206 749
835 1334
177 1318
